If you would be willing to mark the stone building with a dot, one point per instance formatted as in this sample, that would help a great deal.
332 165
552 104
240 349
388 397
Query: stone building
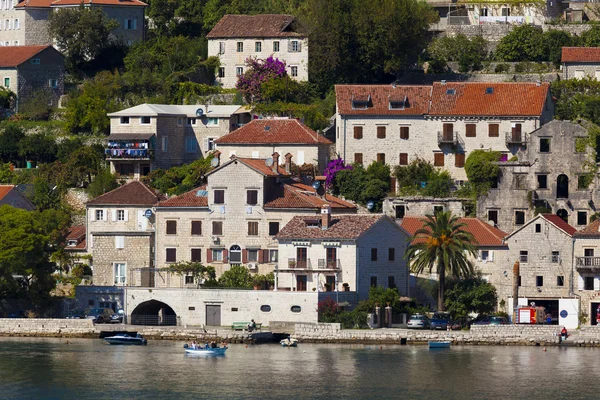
150 136
262 137
418 206
121 235
233 220
491 253
586 259
550 176
12 196
441 123
342 253
29 70
25 22
544 248
235 38
581 62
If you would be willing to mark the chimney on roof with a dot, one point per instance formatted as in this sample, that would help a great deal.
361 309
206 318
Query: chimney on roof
275 162
288 163
538 83
217 155
443 82
325 216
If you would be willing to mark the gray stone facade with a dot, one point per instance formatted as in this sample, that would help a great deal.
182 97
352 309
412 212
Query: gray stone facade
580 70
543 177
418 206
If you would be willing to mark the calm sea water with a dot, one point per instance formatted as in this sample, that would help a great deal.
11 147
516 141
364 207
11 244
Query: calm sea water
89 369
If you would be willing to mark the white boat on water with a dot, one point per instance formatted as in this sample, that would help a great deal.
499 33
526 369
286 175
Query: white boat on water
289 342
439 344
205 351
123 338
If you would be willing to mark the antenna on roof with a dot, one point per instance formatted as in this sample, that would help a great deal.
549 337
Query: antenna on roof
269 162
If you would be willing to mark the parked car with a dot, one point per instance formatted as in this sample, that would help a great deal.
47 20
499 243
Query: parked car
418 321
116 318
100 315
440 320
459 323
491 320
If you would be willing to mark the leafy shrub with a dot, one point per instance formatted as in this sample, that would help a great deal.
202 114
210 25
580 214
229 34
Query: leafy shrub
502 68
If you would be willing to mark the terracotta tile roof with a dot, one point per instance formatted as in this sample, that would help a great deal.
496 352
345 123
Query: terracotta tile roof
134 193
193 198
417 98
483 233
258 164
255 26
76 233
273 131
59 3
293 194
506 99
5 189
342 227
592 230
34 3
560 223
580 54
12 56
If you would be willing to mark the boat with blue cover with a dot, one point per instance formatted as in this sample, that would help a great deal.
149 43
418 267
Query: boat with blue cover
439 344
205 350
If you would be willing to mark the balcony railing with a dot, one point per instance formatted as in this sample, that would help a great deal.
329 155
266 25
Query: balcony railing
294 263
329 264
588 262
447 137
516 138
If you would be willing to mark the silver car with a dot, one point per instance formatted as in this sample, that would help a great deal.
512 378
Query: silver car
418 321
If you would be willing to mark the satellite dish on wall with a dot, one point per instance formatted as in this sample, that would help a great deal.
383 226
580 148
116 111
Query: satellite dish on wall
199 112
316 185
269 162
214 162
370 204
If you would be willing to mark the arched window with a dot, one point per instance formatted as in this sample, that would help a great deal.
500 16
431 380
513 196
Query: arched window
235 254
563 214
562 187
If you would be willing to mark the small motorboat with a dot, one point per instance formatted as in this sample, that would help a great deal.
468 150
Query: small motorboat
123 338
205 351
439 344
289 342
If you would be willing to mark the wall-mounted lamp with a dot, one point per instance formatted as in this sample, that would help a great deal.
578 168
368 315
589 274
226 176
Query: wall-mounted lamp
505 274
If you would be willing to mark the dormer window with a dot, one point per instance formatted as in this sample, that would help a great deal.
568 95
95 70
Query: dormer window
398 104
451 91
72 243
361 102
489 90
312 223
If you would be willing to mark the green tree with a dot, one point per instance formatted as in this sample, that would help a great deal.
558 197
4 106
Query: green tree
443 244
523 43
364 185
103 182
11 136
81 33
469 52
439 184
45 196
556 40
237 277
39 147
199 271
470 295
590 38
482 170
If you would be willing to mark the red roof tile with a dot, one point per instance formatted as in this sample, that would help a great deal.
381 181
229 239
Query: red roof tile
255 26
193 198
342 227
580 54
12 56
273 131
34 3
417 98
297 195
506 99
5 189
592 230
258 164
483 233
76 233
134 193
560 223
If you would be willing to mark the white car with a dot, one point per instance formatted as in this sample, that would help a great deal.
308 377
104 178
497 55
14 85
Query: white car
418 321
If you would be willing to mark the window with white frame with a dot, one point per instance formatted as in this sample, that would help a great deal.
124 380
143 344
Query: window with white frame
239 71
53 83
273 256
294 46
556 256
210 144
145 120
240 47
253 255
190 144
221 47
119 242
17 23
124 120
212 122
120 215
258 47
6 82
221 72
130 24
294 71
99 215
217 255
275 46
120 273
484 255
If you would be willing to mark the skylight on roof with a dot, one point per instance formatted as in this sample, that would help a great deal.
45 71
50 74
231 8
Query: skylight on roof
489 90
397 105
450 91
360 104
267 128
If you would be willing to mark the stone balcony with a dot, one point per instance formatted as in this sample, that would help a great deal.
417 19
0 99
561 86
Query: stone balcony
587 263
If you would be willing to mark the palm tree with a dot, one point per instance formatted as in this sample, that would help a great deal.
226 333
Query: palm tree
441 242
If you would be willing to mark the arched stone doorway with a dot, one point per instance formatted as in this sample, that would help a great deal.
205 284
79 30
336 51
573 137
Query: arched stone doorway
235 254
153 312
563 214
562 187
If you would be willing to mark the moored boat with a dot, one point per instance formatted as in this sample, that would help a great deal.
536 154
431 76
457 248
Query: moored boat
289 342
439 344
123 338
205 351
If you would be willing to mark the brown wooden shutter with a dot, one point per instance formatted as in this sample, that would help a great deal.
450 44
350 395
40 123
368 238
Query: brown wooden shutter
244 256
448 129
403 158
261 256
381 158
404 132
358 158
358 132
225 259
393 185
381 132
459 160
438 159
471 130
494 130
197 228
171 227
196 255
209 255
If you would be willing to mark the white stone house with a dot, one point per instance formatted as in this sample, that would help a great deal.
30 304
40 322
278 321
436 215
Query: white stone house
580 62
151 136
262 137
25 22
544 249
342 253
441 123
587 270
235 38
233 220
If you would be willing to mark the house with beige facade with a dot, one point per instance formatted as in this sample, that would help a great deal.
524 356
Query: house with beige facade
31 70
151 136
342 253
25 22
586 257
441 123
580 62
235 38
262 137
552 175
12 196
234 218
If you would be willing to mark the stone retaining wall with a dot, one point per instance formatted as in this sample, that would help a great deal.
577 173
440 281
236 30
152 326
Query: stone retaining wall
47 327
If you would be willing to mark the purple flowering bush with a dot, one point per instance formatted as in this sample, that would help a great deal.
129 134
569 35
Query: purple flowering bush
332 169
258 72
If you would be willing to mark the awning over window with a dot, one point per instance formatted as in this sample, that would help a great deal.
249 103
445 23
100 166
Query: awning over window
130 136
